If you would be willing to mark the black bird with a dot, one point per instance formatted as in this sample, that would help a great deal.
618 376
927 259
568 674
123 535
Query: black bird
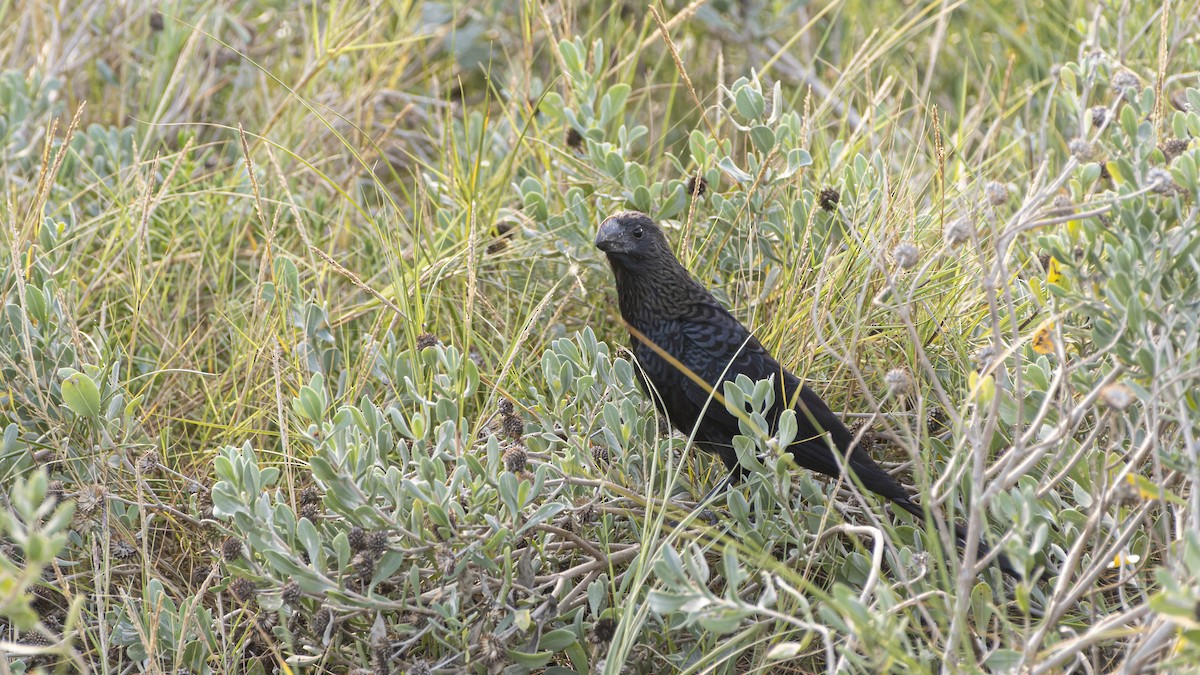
670 314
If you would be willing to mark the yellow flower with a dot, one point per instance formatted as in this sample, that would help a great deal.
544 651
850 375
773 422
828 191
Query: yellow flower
1043 339
1124 559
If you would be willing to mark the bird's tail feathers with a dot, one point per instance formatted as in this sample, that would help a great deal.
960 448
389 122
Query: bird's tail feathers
960 536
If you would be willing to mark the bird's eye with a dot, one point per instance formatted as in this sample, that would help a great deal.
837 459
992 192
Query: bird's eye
637 233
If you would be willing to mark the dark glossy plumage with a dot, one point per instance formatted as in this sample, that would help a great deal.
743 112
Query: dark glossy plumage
659 299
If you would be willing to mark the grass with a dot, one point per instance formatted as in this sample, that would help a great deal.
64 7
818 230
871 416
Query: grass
306 254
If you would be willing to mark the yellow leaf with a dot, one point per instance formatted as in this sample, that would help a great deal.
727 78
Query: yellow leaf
1114 172
1043 339
1035 285
982 387
1149 490
523 619
1145 489
1054 272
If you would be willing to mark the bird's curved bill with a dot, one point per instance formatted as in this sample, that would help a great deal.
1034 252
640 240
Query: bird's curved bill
609 237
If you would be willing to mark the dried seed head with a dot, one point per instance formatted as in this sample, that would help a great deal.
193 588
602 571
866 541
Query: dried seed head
310 511
364 565
1062 203
937 421
204 504
603 631
829 198
310 495
512 427
54 491
291 592
357 538
1081 149
231 549
515 459
122 550
1125 80
898 380
31 638
1099 116
263 623
379 660
996 193
320 621
419 667
958 232
242 590
504 232
697 185
156 21
1160 180
1117 396
574 139
148 463
90 498
1174 148
200 574
427 340
491 649
906 254
600 455
505 407
377 540
44 599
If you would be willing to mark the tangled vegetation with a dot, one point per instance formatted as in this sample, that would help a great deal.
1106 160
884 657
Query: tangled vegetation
308 363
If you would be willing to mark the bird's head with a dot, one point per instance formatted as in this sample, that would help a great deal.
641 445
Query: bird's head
632 235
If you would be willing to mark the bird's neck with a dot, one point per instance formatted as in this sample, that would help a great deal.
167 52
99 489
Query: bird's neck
650 293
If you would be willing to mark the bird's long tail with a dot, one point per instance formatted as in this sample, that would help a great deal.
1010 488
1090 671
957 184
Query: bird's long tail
960 536
875 479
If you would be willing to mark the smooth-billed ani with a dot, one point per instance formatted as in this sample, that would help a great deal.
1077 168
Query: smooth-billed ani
669 313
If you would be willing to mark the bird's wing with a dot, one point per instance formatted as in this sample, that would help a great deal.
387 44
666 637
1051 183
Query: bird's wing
716 347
